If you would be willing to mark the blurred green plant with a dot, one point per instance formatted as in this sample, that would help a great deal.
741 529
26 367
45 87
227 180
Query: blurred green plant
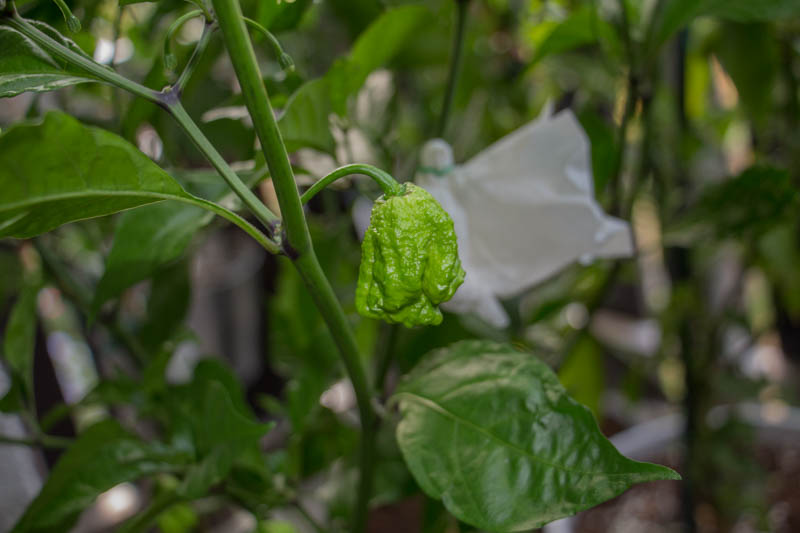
691 109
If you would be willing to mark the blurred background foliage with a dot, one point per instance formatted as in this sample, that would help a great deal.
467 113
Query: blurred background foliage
692 111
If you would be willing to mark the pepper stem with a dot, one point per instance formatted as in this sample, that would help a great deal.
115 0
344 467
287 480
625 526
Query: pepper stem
170 61
73 23
284 59
389 185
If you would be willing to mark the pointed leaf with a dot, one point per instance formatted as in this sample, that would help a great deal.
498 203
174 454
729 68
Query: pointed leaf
60 171
24 66
491 432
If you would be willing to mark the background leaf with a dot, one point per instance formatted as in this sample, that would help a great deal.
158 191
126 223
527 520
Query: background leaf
678 13
491 432
103 456
20 336
146 239
582 27
305 121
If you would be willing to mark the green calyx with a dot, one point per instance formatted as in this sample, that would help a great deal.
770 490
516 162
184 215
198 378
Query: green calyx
409 260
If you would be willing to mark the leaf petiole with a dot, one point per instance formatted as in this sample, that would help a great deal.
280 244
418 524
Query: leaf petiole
388 184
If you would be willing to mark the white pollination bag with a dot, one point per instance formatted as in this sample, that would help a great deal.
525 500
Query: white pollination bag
523 209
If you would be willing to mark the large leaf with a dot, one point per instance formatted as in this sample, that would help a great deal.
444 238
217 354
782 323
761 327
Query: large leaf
678 13
24 66
60 171
103 456
146 239
305 119
491 432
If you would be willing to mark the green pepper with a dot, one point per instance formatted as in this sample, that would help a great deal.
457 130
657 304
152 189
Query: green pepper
409 260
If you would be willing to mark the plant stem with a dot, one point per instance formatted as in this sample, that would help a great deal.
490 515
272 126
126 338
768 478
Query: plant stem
72 57
200 47
298 245
204 145
270 245
45 441
388 184
169 57
455 65
283 58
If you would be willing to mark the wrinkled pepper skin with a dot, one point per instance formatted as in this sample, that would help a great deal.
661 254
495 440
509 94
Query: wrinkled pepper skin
409 260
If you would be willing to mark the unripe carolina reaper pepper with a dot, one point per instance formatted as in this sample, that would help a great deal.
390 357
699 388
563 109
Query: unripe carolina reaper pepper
409 260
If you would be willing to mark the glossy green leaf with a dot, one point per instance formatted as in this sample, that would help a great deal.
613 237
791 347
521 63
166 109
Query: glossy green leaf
103 456
678 13
24 66
60 171
20 337
146 239
491 432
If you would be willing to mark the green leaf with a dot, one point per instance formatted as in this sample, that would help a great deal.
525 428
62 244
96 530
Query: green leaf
748 52
747 205
60 171
491 432
602 139
20 337
167 305
375 47
146 239
102 457
678 13
14 400
223 432
304 122
583 374
24 66
581 28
